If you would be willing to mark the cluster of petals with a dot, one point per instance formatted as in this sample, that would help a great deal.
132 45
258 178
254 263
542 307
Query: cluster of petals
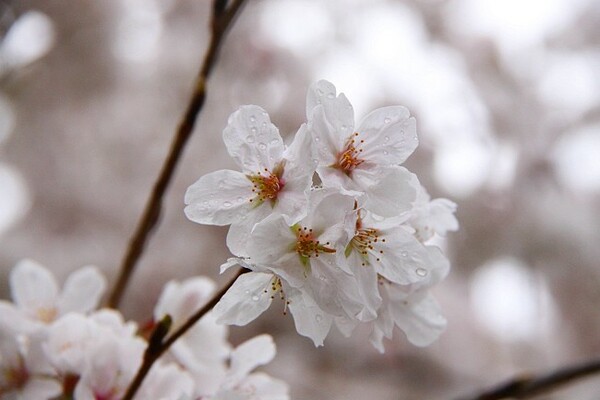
332 225
57 344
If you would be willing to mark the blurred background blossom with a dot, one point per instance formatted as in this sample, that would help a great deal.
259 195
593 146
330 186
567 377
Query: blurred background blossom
507 99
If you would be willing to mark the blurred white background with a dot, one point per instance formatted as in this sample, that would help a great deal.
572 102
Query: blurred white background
507 99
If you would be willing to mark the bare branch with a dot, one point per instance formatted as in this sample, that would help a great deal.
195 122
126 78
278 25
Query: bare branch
221 21
524 387
157 346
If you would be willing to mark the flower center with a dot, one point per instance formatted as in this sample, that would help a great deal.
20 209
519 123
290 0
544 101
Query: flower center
277 288
267 185
363 242
348 159
14 377
307 246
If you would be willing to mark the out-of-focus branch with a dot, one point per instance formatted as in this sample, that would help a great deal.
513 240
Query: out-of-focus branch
158 345
525 387
222 18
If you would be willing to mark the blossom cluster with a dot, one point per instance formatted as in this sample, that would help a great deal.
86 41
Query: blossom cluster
331 224
55 344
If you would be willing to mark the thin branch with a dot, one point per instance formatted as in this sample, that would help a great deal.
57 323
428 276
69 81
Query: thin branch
525 387
221 21
158 345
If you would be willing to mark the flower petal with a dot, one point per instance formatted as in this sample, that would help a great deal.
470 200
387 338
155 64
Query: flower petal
33 287
82 291
245 300
392 193
390 135
252 140
420 317
310 320
259 350
219 198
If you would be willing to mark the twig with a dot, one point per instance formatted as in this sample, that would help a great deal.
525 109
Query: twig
221 20
525 387
158 345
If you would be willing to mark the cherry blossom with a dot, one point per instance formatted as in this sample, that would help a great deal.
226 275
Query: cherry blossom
365 158
273 179
38 301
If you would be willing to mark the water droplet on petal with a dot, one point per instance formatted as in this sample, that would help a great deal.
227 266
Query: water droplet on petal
320 92
250 139
227 204
247 291
385 152
253 129
387 120
262 146
404 253
255 298
422 272
252 118
240 199
322 278
315 161
264 124
317 139
274 142
344 127
318 318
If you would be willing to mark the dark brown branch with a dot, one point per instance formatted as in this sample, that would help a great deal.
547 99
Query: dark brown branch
525 387
158 345
221 20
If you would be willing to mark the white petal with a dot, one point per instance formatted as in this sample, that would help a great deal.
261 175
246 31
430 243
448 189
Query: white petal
166 382
33 287
299 155
264 387
240 229
337 110
420 318
292 201
404 259
259 350
392 195
181 299
82 290
252 140
245 300
219 198
390 135
316 93
366 278
271 240
310 320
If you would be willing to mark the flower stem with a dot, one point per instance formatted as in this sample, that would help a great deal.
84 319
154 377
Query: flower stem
527 386
222 18
160 342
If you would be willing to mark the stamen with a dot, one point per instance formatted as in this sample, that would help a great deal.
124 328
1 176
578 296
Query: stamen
267 185
348 159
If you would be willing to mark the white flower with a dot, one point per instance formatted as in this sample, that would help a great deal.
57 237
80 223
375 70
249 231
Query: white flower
38 301
411 307
310 254
429 217
110 364
240 384
253 292
25 373
166 381
204 349
273 179
365 158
